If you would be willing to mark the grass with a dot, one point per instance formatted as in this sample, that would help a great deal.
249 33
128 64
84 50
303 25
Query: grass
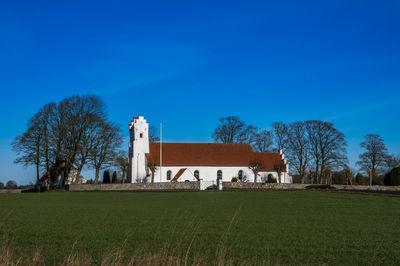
269 227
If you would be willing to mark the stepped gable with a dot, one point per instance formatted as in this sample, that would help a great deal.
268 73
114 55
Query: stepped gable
211 154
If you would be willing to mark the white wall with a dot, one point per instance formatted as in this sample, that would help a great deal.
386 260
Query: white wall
187 175
138 147
209 173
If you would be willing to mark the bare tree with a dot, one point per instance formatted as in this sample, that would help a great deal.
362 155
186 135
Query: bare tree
82 113
256 167
393 161
232 130
88 140
122 163
11 184
247 135
327 146
46 115
375 158
153 137
298 149
262 141
348 174
152 165
28 146
326 175
280 135
66 135
279 168
107 141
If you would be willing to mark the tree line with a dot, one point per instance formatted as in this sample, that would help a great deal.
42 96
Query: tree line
314 149
74 133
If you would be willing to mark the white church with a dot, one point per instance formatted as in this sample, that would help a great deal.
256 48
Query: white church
183 162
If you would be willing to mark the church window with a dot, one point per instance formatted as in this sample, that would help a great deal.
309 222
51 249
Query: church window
219 174
197 174
240 175
169 173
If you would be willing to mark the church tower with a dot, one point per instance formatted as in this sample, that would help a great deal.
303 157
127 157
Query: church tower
138 147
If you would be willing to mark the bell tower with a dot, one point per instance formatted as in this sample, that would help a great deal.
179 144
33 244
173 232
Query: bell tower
138 147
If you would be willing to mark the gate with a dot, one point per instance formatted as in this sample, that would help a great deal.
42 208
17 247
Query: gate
205 184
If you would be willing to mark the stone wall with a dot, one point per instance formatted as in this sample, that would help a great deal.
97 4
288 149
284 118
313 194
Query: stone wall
196 186
136 186
10 190
364 187
251 185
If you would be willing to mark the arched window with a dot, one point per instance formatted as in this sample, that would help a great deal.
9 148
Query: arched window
169 173
219 174
240 175
197 174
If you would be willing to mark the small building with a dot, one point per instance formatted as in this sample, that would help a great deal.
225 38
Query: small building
198 161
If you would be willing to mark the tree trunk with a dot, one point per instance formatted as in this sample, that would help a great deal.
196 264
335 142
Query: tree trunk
302 175
255 177
152 177
37 178
96 179
316 173
123 177
78 174
48 173
321 175
48 180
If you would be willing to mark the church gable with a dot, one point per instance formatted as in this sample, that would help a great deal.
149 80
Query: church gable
184 175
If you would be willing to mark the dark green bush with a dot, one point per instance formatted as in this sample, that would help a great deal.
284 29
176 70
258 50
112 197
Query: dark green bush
212 187
377 181
106 177
234 179
393 177
114 177
271 179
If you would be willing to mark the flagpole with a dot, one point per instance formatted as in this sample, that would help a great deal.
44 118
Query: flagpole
160 151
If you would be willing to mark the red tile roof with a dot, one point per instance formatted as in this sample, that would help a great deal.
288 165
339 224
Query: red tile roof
211 154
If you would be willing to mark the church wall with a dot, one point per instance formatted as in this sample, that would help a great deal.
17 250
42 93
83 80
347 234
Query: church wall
209 173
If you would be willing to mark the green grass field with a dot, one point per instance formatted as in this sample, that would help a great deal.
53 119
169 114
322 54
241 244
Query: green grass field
285 227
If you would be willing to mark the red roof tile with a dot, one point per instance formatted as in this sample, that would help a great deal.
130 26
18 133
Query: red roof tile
211 154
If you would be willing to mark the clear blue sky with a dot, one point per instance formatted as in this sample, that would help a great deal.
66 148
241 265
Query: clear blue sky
188 63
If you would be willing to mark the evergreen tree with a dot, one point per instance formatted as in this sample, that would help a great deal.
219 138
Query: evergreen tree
114 178
106 177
